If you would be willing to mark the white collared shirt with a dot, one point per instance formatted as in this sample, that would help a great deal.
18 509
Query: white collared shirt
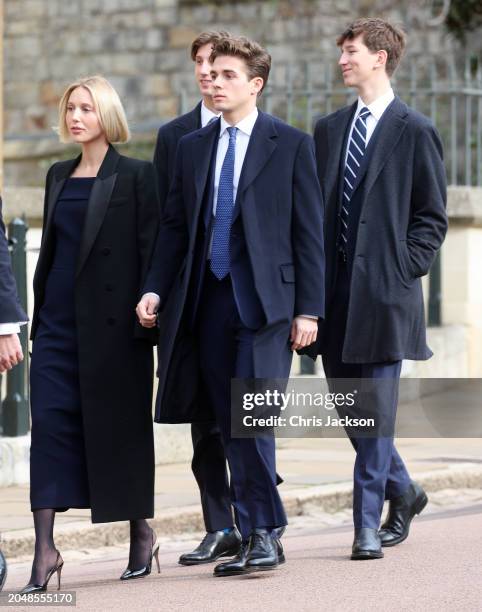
6 329
245 127
207 115
376 108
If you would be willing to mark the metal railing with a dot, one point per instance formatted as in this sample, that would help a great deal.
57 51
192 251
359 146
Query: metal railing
449 93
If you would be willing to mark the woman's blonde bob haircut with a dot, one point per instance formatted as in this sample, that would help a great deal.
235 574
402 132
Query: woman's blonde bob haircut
107 105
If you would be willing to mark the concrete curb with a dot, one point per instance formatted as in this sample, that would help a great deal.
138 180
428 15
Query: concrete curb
326 498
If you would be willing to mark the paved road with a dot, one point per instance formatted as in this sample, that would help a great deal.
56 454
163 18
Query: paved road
438 568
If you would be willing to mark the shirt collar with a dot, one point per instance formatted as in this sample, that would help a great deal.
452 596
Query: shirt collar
207 115
246 125
378 106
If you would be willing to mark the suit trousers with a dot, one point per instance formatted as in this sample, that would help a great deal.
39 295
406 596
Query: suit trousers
226 352
379 471
210 470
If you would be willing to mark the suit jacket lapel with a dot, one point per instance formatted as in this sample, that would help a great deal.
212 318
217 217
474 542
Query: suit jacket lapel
98 203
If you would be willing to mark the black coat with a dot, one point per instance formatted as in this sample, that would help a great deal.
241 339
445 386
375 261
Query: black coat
115 353
278 225
11 310
168 138
401 227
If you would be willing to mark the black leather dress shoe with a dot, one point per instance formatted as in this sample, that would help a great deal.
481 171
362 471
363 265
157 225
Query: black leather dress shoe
215 544
366 544
3 570
263 550
401 511
236 566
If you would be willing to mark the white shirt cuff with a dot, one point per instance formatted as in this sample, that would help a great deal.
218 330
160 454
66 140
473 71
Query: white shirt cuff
152 293
10 328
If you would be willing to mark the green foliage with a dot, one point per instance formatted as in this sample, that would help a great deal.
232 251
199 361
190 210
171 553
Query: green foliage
464 16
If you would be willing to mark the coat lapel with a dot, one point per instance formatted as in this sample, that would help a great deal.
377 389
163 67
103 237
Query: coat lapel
385 138
190 121
55 188
98 203
262 144
337 132
202 154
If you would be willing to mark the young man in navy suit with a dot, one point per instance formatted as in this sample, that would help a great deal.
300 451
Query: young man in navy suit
209 460
237 277
12 316
383 180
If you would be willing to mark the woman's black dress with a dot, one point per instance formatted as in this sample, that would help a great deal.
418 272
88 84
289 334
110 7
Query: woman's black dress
58 470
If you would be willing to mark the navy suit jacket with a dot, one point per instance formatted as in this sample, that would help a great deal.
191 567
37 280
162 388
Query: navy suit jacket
11 310
276 245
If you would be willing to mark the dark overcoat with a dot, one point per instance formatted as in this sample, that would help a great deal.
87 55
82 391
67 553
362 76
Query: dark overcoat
11 310
277 225
115 353
168 138
402 225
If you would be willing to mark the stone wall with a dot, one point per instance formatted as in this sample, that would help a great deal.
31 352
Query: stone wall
142 47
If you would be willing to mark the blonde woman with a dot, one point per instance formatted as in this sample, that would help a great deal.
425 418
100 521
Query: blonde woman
92 369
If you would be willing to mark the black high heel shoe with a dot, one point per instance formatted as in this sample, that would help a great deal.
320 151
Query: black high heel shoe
41 588
146 570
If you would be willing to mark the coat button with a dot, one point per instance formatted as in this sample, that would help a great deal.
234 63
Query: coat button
105 251
363 221
109 287
111 321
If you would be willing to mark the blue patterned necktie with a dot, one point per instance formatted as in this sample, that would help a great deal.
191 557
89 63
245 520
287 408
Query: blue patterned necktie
224 212
356 151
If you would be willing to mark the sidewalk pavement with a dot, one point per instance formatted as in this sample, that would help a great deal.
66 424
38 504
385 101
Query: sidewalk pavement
316 472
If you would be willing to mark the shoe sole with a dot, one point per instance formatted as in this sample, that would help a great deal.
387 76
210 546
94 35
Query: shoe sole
366 556
418 509
261 568
250 569
224 554
233 573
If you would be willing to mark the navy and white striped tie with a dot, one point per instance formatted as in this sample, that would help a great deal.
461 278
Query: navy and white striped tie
356 151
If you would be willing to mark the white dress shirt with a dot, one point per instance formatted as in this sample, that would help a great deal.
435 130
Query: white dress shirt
10 328
207 115
376 108
245 127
